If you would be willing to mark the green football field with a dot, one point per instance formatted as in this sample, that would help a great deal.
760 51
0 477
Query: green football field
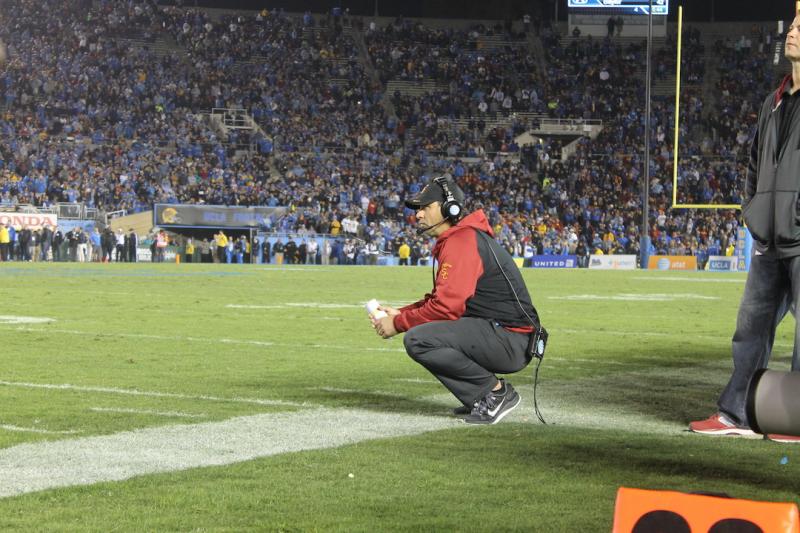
246 398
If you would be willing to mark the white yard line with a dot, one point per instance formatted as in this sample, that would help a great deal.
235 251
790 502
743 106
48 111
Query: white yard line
207 340
121 410
148 394
9 427
280 268
658 334
83 461
394 345
242 306
697 280
312 305
632 297
359 391
14 319
416 380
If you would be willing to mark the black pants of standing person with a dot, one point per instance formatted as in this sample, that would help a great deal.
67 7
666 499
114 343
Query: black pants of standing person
772 285
465 354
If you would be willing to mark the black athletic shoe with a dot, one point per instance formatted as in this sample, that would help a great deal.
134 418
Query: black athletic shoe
462 410
494 406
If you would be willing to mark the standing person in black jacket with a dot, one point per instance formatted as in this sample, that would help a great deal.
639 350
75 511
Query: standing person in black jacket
47 242
108 242
132 245
58 241
277 251
771 210
290 252
478 320
24 239
265 251
73 237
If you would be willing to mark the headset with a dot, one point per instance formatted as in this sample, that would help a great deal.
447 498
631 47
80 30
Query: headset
451 209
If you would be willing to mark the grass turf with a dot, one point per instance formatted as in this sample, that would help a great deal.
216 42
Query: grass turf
633 356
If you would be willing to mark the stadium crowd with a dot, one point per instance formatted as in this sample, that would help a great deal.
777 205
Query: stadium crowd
90 115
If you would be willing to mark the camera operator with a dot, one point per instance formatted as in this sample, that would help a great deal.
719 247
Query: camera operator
478 320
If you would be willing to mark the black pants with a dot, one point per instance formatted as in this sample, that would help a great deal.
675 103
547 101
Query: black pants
464 354
772 285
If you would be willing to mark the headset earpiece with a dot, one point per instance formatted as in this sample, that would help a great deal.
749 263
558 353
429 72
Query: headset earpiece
451 209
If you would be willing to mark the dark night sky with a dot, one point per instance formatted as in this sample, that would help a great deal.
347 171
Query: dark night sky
694 10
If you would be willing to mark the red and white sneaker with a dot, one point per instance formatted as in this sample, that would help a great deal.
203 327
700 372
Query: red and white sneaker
775 437
719 424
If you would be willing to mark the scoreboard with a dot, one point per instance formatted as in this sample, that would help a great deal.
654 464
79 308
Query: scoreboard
630 7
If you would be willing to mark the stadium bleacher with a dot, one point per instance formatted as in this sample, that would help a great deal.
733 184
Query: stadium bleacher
119 106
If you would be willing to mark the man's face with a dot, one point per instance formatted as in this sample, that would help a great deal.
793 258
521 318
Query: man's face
430 215
792 48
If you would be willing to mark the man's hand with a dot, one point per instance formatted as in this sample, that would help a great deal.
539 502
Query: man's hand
385 326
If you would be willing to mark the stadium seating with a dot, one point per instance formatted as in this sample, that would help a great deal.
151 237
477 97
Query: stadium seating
117 106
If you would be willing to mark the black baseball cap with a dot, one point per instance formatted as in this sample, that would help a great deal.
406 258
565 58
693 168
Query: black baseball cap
433 192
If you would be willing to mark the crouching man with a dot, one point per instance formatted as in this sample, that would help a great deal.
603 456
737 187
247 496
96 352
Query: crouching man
478 320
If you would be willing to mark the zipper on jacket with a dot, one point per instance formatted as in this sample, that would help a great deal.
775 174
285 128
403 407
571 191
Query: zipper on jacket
775 155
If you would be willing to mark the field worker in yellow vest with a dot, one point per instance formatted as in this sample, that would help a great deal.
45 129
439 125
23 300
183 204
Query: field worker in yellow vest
5 239
221 240
189 250
404 252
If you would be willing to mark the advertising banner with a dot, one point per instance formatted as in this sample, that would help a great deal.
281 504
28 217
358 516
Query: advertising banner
66 225
612 262
212 216
721 263
554 261
672 262
33 221
744 249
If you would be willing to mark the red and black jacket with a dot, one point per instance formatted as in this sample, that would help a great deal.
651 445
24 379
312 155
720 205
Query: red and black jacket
469 282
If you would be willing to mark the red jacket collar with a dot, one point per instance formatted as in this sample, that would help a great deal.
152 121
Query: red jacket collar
781 88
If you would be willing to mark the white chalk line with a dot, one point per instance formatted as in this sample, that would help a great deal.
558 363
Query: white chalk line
696 280
416 380
353 349
311 305
14 319
207 340
151 394
358 391
62 289
170 414
241 306
280 268
633 297
39 466
314 305
10 427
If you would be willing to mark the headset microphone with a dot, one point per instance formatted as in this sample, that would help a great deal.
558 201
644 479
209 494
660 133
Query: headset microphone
423 230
